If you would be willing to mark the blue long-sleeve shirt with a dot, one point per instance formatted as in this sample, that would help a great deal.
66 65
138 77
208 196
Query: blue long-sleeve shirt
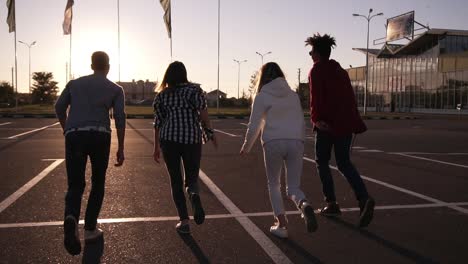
90 98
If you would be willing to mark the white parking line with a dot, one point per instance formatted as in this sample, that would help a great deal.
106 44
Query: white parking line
268 246
244 124
357 147
16 195
221 216
32 131
432 153
3 124
394 187
370 150
433 160
226 133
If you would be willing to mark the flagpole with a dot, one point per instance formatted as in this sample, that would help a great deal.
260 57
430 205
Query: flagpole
16 72
118 31
217 91
70 69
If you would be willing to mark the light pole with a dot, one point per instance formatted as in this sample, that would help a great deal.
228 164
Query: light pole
238 74
368 18
261 55
29 47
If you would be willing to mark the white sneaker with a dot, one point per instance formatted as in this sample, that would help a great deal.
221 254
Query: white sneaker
281 232
91 235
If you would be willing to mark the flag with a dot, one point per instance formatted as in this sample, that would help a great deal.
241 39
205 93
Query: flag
67 21
166 5
11 20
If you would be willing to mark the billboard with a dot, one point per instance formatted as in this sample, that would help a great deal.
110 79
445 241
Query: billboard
400 26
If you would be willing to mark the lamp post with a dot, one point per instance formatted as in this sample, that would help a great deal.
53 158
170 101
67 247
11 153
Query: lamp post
238 74
29 47
261 55
368 18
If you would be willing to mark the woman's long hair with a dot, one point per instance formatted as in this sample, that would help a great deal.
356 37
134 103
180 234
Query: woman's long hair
268 73
176 74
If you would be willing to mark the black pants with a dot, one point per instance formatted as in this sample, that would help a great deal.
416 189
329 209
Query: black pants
324 143
175 155
78 146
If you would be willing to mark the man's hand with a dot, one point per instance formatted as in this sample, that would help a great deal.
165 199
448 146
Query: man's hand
156 155
322 126
120 158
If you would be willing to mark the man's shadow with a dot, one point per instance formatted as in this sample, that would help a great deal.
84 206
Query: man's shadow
405 252
196 250
93 251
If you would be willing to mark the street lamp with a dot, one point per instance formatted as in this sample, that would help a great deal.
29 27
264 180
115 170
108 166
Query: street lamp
29 46
368 18
238 74
264 54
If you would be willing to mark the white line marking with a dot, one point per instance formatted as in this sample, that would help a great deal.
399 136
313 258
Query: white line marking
357 147
32 131
220 216
433 160
3 124
431 153
370 150
394 187
226 133
244 124
16 195
268 246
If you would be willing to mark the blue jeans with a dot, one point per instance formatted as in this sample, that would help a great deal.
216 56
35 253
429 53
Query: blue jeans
78 146
324 142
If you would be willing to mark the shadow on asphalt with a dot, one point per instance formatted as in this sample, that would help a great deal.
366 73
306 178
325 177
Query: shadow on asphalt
196 250
301 251
93 251
405 252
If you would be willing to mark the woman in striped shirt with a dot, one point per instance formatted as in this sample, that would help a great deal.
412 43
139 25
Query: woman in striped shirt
181 126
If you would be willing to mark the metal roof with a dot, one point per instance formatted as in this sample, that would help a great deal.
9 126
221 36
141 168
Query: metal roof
414 46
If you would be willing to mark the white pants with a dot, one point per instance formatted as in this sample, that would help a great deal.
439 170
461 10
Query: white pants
288 152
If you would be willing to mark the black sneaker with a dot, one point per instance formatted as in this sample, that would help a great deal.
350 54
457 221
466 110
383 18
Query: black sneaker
71 239
198 213
366 212
183 228
309 217
331 210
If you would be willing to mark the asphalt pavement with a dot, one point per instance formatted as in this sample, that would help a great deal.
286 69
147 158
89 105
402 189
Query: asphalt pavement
417 171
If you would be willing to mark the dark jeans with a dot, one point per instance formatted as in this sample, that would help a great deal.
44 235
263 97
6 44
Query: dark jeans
324 143
175 154
78 146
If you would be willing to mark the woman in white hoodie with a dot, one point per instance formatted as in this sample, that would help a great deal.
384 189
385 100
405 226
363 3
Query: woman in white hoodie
277 114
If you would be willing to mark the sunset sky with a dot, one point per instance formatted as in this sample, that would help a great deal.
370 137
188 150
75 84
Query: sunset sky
247 26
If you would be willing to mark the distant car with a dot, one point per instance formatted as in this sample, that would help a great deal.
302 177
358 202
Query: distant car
5 105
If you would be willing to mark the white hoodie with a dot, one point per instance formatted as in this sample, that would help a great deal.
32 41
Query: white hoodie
277 113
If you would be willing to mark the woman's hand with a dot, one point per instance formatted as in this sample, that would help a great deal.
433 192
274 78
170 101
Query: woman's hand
156 154
215 141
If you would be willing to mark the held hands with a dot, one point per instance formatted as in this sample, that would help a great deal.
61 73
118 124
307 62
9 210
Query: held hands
120 158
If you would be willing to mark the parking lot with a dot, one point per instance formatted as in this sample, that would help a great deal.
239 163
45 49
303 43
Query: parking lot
417 171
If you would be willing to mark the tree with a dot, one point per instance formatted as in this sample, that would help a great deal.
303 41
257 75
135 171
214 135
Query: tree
7 94
44 89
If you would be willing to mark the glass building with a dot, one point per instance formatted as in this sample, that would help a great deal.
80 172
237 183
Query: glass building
429 74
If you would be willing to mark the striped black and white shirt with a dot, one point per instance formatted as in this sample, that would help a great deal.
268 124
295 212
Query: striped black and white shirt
177 114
